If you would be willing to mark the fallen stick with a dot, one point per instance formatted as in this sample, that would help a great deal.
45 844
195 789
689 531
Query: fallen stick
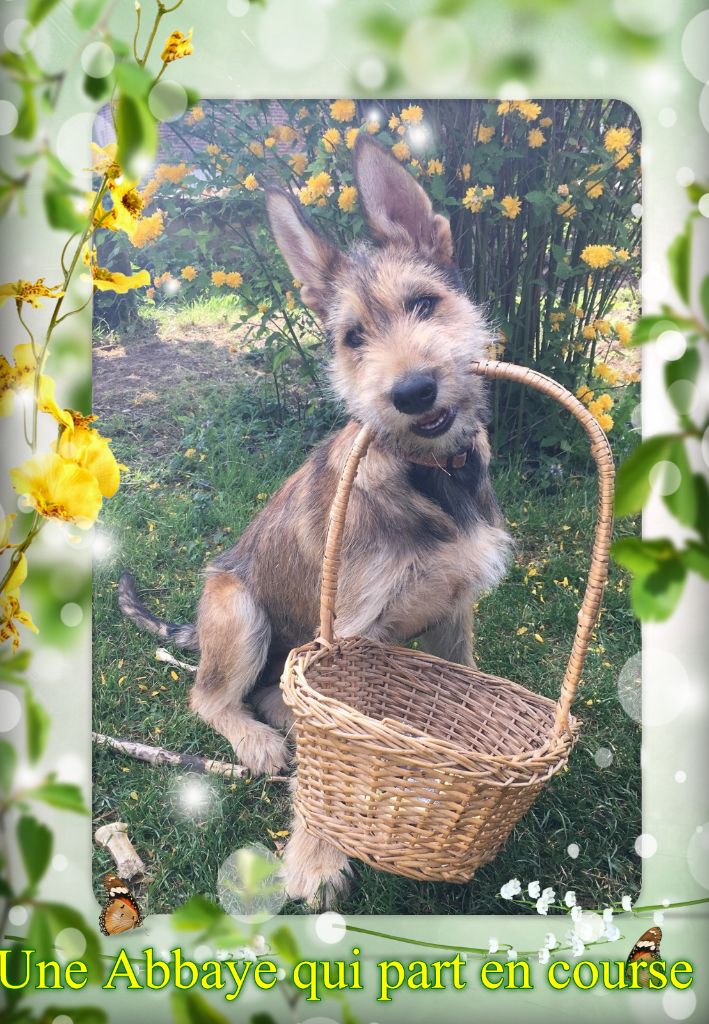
114 838
162 655
159 755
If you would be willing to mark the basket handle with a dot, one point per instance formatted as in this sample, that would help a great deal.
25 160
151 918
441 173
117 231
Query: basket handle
598 572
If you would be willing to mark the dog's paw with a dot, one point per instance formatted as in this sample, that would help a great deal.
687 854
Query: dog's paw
264 752
315 872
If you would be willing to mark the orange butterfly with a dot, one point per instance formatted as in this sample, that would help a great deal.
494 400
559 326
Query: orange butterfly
645 950
120 910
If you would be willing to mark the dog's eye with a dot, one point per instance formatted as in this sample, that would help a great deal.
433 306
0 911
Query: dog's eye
423 306
353 338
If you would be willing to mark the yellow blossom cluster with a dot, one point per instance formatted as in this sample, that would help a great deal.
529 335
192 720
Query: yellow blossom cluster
347 198
195 115
476 197
434 167
511 206
316 189
623 333
343 110
189 272
298 161
176 46
105 280
527 110
566 209
536 138
606 373
330 139
400 150
351 137
485 133
412 114
598 256
30 292
233 279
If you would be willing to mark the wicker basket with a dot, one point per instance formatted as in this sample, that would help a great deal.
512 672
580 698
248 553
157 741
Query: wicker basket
412 764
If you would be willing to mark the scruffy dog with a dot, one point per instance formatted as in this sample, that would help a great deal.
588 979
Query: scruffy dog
423 537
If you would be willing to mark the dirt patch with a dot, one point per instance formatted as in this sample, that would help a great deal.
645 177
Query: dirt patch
132 379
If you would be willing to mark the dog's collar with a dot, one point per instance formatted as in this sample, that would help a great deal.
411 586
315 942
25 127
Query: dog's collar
457 460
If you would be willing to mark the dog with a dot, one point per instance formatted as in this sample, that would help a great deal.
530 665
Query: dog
424 535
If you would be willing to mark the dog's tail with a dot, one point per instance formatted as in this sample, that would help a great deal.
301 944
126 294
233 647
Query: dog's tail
132 607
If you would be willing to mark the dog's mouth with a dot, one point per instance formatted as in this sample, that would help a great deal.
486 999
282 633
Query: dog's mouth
434 423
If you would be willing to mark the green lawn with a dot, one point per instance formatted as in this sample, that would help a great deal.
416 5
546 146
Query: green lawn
174 511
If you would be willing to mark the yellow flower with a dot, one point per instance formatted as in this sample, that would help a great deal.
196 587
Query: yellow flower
105 280
566 209
351 137
162 279
177 46
299 161
218 278
189 272
602 326
150 294
256 148
536 138
58 489
412 114
394 122
195 115
624 160
342 110
372 126
434 166
87 448
584 394
605 421
545 122
511 206
250 183
474 198
597 255
525 108
623 255
284 133
173 173
464 172
212 149
104 160
617 138
623 333
589 333
7 379
316 187
24 377
604 402
5 530
606 373
25 291
401 151
485 133
290 300
263 308
556 318
347 198
127 208
269 142
148 229
233 279
10 610
330 139
594 189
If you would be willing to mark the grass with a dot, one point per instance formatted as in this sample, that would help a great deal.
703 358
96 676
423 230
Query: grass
172 514
205 311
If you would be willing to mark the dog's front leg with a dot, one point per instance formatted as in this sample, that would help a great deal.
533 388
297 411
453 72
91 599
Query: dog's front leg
452 637
313 870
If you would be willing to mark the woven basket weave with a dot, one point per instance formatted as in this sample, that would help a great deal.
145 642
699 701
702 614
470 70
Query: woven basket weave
413 764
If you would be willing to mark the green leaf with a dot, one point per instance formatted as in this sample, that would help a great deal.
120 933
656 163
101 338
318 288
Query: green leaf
682 503
385 28
696 558
60 210
63 795
133 80
35 843
137 133
678 258
37 10
38 723
97 88
704 297
642 556
262 1018
684 368
8 763
196 914
40 937
86 12
655 596
633 481
13 666
191 1008
26 113
284 944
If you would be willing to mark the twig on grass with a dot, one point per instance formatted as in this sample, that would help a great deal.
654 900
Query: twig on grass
162 655
159 755
129 864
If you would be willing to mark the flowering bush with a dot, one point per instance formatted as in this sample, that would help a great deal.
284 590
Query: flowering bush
540 197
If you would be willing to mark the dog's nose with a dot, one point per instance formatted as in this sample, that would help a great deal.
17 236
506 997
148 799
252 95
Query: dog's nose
414 393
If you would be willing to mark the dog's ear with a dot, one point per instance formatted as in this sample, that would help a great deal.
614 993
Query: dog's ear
396 207
310 257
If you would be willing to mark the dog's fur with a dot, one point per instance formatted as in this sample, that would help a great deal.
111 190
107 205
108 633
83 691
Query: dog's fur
421 543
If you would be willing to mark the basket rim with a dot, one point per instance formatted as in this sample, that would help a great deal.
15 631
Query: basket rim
553 752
